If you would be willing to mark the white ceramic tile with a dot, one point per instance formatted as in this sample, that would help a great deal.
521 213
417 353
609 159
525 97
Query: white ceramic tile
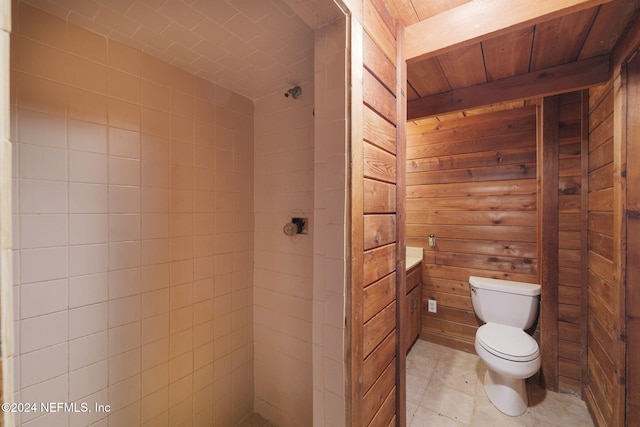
41 129
124 310
155 378
44 364
88 259
88 198
124 283
43 331
87 167
155 251
123 227
88 229
124 199
124 143
124 338
155 226
37 265
124 393
156 352
88 350
42 197
43 298
87 380
124 255
124 171
44 163
124 365
89 289
53 390
155 302
85 136
87 320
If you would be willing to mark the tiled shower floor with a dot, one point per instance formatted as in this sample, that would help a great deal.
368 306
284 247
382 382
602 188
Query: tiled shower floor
255 420
444 388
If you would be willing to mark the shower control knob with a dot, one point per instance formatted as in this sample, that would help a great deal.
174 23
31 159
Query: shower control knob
290 229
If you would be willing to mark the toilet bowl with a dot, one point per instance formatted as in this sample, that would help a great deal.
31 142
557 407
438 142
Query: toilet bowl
511 355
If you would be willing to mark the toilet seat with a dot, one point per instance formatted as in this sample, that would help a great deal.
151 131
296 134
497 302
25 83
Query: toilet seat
507 342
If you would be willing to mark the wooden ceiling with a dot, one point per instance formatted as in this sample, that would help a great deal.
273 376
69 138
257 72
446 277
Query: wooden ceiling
565 46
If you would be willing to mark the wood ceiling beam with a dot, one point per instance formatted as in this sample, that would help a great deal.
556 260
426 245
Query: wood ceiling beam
479 20
551 81
628 43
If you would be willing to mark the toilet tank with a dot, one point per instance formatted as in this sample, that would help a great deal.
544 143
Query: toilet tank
504 301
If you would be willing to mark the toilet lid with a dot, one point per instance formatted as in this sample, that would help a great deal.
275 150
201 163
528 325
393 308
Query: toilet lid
507 342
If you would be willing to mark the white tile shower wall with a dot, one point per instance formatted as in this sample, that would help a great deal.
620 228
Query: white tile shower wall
329 249
133 233
6 297
283 274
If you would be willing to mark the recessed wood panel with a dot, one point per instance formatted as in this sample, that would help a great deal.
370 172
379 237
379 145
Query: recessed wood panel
464 67
573 30
378 327
379 262
484 189
508 55
377 25
379 164
379 65
377 361
427 77
485 158
378 97
379 230
378 295
523 202
378 131
379 197
474 174
374 399
472 232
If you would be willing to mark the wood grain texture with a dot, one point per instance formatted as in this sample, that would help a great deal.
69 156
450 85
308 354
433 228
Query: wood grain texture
433 35
377 367
633 245
602 304
481 210
548 238
550 81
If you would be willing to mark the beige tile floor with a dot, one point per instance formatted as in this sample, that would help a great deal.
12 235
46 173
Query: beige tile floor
444 388
255 420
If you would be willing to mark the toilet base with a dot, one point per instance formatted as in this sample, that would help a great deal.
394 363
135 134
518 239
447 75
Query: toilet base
508 394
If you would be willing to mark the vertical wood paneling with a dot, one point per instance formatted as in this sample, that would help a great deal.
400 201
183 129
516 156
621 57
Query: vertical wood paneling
548 203
620 109
603 389
571 254
378 296
483 212
633 244
401 160
355 300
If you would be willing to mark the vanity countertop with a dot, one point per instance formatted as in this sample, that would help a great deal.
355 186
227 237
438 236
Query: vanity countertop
414 257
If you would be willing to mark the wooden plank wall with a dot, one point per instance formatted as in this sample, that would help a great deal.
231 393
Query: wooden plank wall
633 244
602 384
471 182
570 248
378 241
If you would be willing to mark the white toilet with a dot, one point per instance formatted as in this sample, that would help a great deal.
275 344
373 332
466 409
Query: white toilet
511 355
